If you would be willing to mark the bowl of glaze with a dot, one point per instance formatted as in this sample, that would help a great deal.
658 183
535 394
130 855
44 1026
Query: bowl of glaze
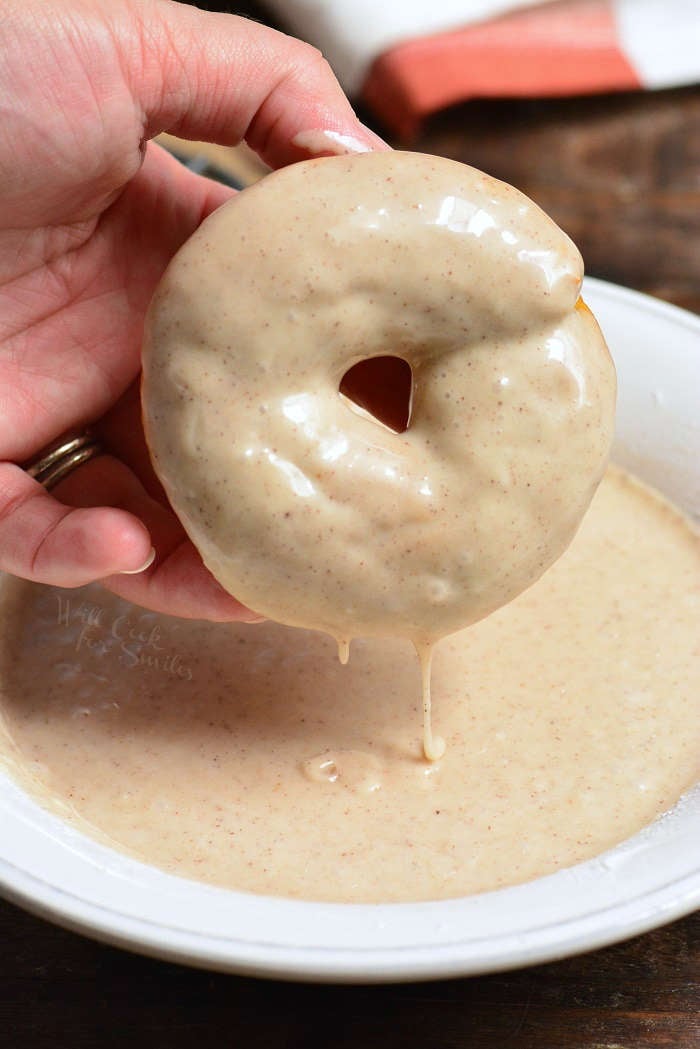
50 868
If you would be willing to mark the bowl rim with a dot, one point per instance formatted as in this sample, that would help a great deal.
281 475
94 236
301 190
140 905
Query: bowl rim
627 907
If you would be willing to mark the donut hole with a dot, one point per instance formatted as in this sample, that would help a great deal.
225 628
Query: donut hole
381 387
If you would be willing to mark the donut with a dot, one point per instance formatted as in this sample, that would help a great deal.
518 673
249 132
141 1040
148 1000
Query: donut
305 504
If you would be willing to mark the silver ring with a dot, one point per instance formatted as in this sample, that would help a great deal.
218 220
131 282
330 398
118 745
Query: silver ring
62 457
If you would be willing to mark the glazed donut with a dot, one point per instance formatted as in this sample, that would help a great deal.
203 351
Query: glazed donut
304 505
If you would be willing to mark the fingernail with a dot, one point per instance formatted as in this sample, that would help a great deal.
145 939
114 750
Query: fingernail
323 141
147 564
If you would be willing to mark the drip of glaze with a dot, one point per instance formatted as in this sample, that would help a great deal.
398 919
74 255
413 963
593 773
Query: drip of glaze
343 649
433 746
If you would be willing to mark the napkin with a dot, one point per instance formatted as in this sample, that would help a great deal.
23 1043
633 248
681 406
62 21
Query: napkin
407 59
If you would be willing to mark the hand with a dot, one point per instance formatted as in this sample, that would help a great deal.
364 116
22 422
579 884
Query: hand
90 214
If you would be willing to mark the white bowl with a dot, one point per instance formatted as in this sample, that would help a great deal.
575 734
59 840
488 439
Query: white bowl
55 871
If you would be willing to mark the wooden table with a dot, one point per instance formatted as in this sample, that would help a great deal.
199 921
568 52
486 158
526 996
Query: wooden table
622 175
60 991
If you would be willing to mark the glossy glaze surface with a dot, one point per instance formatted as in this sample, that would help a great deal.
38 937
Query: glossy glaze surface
302 504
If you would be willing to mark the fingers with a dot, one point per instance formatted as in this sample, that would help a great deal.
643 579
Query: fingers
177 582
47 542
180 585
223 78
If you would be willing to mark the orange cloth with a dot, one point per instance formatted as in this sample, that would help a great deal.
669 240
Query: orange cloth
559 50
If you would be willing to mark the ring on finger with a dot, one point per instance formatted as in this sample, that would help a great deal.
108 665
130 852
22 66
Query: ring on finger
63 456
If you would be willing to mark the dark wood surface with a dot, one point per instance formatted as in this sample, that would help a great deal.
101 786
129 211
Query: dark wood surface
60 991
622 175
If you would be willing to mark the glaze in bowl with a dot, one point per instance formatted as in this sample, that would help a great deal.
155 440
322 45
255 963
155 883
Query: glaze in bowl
52 869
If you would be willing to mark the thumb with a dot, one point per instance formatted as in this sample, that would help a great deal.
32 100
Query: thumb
222 78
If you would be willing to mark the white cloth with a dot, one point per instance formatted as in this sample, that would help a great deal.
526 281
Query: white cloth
352 33
660 38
